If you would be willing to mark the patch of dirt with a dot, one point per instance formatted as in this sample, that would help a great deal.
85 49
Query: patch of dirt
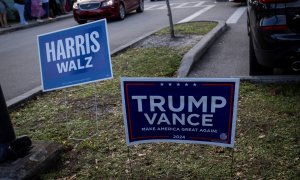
167 41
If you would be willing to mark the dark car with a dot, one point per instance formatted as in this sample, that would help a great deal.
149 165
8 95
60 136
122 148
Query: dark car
274 35
238 1
84 10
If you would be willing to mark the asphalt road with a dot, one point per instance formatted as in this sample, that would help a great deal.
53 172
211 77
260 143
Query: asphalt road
19 64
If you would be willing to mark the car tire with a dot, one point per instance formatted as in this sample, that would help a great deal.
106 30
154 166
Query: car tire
248 25
254 67
82 21
122 12
141 7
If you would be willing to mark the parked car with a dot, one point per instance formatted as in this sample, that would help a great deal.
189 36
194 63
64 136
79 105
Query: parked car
274 35
238 1
84 10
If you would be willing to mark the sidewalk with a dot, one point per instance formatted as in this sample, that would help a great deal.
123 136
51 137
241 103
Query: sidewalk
32 23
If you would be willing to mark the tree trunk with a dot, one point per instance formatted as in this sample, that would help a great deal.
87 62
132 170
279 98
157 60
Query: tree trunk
170 19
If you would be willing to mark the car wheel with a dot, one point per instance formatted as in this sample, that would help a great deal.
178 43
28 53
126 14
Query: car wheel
248 25
141 7
254 67
82 21
121 12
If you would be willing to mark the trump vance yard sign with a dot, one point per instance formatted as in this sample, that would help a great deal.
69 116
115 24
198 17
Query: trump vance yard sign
201 111
74 56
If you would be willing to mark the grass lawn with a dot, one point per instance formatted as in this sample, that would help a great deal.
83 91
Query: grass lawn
267 139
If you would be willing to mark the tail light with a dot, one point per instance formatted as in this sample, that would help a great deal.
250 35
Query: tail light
274 23
275 28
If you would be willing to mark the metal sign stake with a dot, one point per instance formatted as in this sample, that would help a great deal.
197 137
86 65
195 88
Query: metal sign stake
96 108
232 163
130 163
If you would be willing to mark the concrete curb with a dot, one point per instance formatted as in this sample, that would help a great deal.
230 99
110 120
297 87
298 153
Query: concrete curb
131 43
193 55
15 102
271 79
32 23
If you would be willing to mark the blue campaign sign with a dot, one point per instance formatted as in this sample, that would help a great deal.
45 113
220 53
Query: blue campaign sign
74 56
201 111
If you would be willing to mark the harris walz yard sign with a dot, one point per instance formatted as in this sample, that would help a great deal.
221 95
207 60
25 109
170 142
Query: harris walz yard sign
74 56
200 111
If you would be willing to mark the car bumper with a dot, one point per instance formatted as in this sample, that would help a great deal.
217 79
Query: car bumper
107 12
282 57
277 49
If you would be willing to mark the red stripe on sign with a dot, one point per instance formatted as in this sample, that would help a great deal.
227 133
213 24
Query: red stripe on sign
128 105
157 137
231 105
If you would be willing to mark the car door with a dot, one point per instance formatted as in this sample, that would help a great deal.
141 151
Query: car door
136 3
131 5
